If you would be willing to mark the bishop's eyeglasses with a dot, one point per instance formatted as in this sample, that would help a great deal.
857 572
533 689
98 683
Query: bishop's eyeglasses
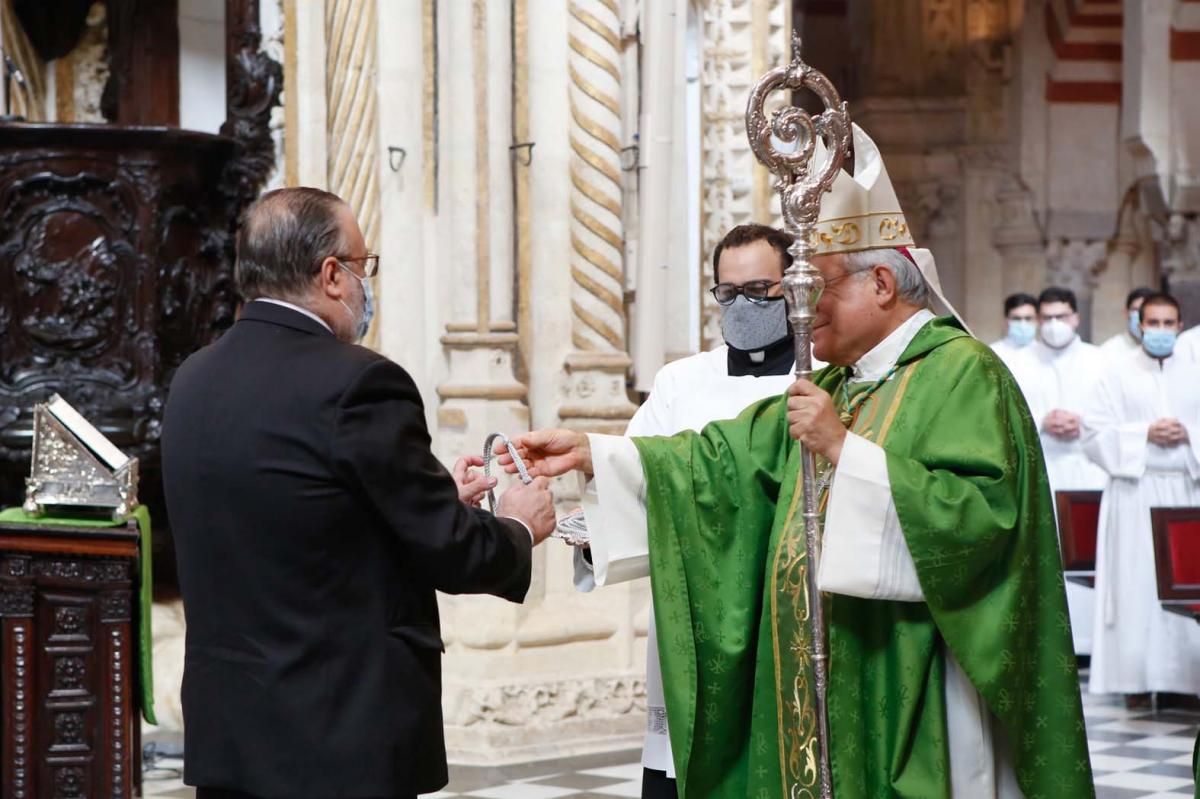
756 291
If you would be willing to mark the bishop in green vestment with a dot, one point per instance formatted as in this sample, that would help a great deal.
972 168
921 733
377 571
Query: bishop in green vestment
947 622
952 672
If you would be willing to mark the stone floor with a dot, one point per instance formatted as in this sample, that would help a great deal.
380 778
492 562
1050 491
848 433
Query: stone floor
1135 755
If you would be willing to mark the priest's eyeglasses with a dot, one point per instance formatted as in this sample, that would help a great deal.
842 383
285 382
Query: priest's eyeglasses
756 291
370 263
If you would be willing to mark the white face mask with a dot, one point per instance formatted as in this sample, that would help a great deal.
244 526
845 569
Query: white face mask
1057 334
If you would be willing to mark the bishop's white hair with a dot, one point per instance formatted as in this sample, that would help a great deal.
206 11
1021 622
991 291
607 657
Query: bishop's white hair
910 283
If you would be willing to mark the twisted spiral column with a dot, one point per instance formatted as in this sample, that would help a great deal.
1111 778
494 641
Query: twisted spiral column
598 365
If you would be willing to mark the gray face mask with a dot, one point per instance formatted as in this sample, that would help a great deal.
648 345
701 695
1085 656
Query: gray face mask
749 326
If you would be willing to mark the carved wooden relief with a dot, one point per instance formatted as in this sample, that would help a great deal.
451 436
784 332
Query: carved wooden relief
67 663
117 250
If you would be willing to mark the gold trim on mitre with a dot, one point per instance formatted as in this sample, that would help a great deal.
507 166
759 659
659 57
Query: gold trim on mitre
861 211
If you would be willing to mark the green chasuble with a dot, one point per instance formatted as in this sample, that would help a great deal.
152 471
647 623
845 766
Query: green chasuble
728 571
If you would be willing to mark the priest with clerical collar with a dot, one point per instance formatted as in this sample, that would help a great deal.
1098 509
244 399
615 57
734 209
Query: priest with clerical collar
951 669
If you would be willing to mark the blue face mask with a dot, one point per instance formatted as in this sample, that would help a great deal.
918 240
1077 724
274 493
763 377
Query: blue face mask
1021 332
368 311
1135 324
1159 342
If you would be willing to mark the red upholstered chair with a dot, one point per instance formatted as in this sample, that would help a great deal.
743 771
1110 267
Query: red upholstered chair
1078 525
1177 558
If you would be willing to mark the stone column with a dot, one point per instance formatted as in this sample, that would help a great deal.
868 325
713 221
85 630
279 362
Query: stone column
480 393
1181 263
1182 241
1018 239
595 396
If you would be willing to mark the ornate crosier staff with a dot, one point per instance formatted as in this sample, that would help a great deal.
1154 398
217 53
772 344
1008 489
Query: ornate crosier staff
801 184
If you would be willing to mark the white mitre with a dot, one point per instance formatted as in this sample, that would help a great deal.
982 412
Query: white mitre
861 212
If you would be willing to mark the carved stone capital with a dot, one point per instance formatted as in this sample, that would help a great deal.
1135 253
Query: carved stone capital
1182 246
594 396
1075 264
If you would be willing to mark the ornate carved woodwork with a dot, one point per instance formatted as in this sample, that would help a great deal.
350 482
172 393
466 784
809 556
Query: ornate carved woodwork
253 81
68 659
115 264
116 245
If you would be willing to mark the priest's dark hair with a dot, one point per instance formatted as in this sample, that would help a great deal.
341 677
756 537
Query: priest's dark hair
1057 294
742 235
1139 293
1018 300
1161 298
282 240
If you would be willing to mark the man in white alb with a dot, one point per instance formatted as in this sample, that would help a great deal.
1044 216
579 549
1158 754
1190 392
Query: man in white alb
1020 330
1142 427
1130 338
1063 371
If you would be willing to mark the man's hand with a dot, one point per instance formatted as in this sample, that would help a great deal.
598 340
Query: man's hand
532 504
472 485
1062 424
813 420
1167 433
549 453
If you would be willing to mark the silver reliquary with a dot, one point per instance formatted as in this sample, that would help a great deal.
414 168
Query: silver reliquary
75 468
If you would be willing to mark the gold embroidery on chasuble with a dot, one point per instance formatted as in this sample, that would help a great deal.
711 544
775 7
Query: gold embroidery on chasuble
795 694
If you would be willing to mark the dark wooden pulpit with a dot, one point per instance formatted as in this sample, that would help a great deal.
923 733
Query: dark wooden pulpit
117 240
68 661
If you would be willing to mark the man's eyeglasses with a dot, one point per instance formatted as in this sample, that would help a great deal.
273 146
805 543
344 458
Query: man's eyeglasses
756 291
370 263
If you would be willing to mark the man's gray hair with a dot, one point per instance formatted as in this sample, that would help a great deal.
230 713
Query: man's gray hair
910 283
284 236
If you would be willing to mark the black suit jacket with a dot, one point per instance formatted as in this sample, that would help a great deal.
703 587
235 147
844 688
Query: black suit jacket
312 525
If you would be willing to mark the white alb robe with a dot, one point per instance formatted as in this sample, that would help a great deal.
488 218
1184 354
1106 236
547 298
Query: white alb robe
1137 646
1014 357
1119 346
1064 380
864 554
687 394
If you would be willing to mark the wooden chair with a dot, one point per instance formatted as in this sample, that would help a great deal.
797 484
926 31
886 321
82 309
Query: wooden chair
1078 526
1177 558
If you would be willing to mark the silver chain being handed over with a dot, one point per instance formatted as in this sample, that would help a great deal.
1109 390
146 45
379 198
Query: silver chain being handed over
571 528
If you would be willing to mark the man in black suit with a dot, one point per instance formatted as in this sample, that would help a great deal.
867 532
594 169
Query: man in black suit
312 525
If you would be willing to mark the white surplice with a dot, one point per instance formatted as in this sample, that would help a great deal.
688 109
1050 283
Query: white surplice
687 394
864 554
1137 646
1064 380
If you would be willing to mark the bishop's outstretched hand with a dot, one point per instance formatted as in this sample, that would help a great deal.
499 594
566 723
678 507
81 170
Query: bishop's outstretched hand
548 453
